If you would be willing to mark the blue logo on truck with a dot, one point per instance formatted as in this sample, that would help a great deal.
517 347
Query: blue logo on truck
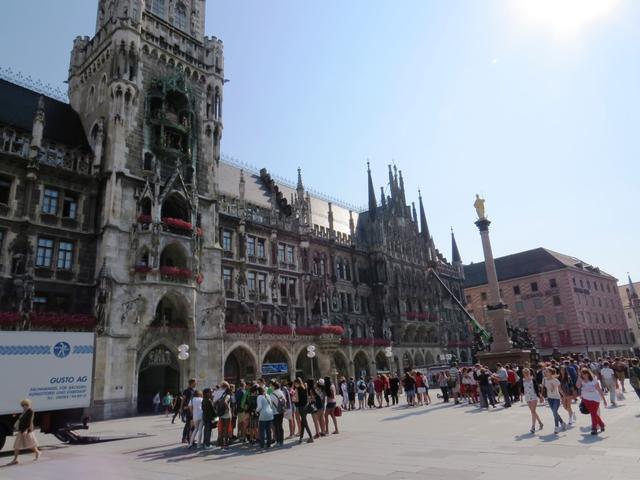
61 349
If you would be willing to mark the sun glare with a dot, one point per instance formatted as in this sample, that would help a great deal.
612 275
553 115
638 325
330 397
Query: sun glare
565 17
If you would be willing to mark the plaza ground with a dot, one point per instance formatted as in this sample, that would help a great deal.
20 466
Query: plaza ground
437 442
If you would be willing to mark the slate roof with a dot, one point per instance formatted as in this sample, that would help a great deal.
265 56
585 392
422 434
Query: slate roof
522 264
62 124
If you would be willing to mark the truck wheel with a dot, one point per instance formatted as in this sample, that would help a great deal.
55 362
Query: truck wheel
3 437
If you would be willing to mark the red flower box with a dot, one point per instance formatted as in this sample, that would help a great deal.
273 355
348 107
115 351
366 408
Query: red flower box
324 330
240 328
277 329
143 218
62 320
176 272
142 268
9 319
177 223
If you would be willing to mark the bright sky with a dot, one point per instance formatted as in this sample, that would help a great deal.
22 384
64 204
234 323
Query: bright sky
534 104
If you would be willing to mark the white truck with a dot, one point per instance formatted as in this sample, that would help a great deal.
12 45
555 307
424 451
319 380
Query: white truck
52 369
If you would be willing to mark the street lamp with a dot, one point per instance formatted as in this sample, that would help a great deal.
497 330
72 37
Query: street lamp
388 352
311 353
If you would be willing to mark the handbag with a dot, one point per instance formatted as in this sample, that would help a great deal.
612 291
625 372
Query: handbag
583 408
310 408
337 411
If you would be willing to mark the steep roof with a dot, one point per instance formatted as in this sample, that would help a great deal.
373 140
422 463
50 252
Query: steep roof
62 124
522 264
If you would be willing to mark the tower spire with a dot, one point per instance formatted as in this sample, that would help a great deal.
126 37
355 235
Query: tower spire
455 253
392 192
402 195
632 288
382 198
424 228
373 205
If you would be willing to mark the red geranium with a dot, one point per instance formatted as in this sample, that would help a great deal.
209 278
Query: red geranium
240 328
142 268
176 272
143 218
277 329
63 320
9 318
177 223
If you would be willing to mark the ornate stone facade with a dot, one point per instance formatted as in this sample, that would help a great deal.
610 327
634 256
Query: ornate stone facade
174 246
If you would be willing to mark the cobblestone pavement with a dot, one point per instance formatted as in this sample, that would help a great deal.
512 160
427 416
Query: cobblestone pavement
436 442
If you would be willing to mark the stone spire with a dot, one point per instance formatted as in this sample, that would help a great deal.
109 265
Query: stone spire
403 200
424 228
415 215
373 205
455 253
383 198
300 186
392 192
632 289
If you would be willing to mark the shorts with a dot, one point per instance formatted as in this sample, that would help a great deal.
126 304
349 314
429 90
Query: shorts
410 393
360 395
421 390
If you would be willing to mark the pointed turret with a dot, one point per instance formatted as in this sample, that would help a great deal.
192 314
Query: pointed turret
424 228
373 205
455 253
415 215
403 200
300 186
632 288
383 198
391 186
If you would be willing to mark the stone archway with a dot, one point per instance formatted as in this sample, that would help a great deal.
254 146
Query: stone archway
429 358
407 361
382 363
158 373
418 360
307 367
361 364
275 364
240 364
341 364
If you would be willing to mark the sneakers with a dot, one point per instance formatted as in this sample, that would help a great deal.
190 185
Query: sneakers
556 430
564 426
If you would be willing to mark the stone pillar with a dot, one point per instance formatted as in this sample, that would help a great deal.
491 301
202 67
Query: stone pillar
497 311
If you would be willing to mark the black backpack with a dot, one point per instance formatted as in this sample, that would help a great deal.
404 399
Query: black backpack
221 407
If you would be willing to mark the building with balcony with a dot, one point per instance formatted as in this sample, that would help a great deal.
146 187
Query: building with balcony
566 304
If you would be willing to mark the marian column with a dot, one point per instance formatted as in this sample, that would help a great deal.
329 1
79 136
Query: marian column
497 311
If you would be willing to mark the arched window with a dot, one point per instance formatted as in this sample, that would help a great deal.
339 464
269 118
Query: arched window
157 7
180 17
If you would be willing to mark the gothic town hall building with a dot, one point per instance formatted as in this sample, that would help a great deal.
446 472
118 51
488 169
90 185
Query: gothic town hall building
118 215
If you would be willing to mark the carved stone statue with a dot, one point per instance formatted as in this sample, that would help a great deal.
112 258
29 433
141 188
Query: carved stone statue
479 206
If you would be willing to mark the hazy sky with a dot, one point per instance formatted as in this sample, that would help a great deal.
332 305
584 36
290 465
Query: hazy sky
534 104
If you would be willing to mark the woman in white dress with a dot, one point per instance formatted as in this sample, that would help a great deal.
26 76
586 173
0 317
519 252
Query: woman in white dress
531 396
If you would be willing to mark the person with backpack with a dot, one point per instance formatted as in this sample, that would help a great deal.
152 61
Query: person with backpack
187 416
362 390
208 417
265 417
281 405
351 391
252 405
222 409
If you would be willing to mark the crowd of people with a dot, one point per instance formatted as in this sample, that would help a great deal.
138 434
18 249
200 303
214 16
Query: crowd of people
262 413
257 413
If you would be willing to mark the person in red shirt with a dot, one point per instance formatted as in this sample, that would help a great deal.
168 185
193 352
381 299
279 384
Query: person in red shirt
378 385
387 388
420 388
